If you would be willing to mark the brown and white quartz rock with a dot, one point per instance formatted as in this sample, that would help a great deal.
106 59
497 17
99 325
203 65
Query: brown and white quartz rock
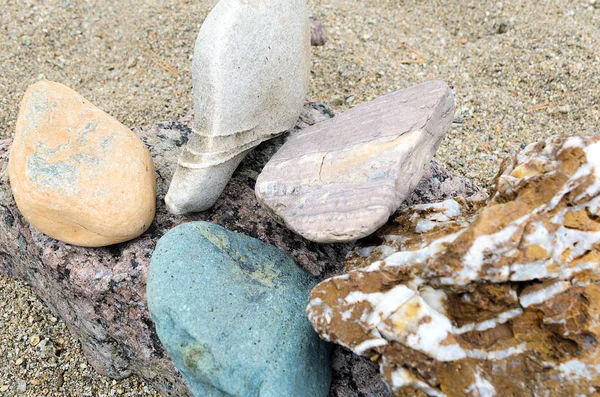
465 299
340 180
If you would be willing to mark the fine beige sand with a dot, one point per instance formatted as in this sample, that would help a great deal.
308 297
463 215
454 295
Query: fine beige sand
522 71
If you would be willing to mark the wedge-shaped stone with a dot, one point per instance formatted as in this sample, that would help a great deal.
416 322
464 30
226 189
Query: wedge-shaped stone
342 179
465 300
251 75
77 174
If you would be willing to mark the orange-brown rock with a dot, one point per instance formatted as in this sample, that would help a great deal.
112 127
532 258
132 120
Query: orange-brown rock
77 174
466 299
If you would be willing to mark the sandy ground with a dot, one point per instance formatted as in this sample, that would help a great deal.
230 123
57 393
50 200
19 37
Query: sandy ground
522 71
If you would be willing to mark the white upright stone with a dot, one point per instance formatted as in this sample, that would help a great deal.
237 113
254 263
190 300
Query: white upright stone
251 75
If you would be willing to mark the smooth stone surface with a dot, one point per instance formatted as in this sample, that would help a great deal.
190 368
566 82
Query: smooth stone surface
77 174
229 309
249 56
100 293
340 180
463 298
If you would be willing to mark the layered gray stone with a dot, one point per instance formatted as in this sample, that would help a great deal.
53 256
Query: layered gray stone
341 180
250 56
100 293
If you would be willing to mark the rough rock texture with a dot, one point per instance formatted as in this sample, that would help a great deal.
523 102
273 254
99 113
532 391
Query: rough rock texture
341 180
229 309
77 174
462 299
249 56
100 293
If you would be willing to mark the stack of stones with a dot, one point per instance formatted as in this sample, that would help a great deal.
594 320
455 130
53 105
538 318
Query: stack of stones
457 298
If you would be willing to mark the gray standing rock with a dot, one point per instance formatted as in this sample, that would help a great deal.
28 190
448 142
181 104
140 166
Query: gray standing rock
341 180
250 55
100 293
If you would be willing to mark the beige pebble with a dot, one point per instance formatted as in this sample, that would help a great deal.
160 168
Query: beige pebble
35 340
77 174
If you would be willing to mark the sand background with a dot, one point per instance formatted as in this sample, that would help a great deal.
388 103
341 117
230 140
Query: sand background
522 71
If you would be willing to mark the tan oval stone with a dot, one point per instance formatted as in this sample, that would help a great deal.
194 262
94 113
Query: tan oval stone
77 174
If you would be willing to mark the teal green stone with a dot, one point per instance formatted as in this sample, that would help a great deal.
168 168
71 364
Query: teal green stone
229 309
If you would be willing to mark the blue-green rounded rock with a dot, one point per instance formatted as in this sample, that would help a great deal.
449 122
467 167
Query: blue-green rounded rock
229 309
